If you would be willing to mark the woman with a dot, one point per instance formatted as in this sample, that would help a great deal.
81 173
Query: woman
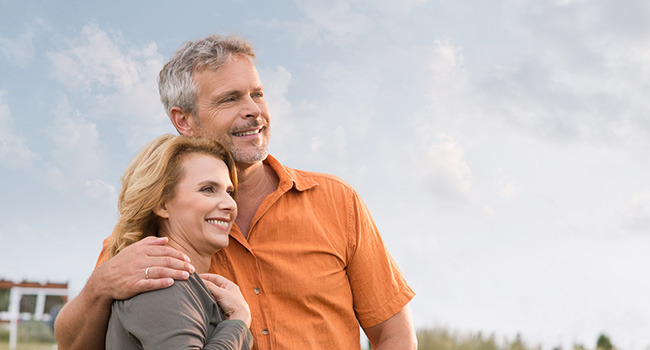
183 189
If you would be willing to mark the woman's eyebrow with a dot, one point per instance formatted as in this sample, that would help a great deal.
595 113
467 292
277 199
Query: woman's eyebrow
209 182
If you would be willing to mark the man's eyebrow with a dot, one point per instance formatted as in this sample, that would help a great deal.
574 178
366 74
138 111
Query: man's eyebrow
217 98
227 93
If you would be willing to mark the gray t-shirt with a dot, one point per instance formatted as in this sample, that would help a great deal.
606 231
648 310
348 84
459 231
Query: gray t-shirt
183 316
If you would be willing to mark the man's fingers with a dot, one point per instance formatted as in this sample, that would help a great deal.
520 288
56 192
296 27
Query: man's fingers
146 285
156 250
160 272
153 240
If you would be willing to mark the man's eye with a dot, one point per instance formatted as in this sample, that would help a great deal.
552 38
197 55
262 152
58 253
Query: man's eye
258 95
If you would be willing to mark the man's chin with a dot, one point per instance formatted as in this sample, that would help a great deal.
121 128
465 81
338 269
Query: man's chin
248 158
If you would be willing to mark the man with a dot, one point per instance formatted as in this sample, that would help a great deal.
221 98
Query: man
305 252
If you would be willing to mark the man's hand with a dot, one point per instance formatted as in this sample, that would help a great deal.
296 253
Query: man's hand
143 266
229 297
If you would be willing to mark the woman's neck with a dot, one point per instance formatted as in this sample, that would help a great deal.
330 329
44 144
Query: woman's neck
200 262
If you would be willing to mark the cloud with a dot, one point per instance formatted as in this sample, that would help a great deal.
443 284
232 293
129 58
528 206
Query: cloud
14 150
636 215
94 60
21 50
276 85
442 169
585 76
340 21
505 184
101 193
117 79
77 148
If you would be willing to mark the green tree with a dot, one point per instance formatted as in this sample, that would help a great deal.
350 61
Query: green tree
604 343
518 344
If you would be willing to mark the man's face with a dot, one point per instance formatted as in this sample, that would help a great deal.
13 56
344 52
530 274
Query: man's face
231 109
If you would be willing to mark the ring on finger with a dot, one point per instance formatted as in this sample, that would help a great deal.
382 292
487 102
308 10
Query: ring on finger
146 272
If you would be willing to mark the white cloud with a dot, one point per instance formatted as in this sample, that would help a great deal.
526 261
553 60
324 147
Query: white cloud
21 50
505 184
636 216
103 194
341 21
440 165
118 80
276 85
94 60
77 149
14 151
585 76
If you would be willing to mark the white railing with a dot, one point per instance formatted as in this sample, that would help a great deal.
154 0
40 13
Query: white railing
15 294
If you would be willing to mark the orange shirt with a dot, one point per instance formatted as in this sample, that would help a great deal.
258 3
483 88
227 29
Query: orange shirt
314 266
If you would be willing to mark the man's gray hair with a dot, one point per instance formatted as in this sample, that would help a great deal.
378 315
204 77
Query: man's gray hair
175 83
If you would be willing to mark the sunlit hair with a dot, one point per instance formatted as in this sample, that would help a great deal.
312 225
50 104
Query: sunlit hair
151 178
175 83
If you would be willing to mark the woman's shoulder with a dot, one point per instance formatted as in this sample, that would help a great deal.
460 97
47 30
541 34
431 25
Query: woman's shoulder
181 295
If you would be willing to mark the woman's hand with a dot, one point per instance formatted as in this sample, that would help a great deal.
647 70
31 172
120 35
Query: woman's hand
229 297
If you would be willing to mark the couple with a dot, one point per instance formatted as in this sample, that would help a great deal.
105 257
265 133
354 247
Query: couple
304 250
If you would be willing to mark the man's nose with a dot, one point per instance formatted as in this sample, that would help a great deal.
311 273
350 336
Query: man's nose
252 109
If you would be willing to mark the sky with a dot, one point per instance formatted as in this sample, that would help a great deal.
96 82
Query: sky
502 146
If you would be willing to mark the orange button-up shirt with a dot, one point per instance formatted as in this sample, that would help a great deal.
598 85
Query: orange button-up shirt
313 267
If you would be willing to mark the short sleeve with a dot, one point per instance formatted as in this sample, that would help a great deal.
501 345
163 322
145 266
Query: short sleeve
378 286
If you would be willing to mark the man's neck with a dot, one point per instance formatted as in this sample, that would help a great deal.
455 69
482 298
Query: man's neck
255 182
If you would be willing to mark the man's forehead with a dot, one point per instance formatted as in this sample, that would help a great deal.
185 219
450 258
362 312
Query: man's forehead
224 79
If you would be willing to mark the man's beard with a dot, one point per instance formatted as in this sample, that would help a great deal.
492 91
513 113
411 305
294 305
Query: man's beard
239 155
255 155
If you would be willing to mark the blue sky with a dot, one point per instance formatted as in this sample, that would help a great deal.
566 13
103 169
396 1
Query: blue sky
502 147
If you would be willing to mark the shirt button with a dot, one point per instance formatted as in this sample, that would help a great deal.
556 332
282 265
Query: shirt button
265 331
256 291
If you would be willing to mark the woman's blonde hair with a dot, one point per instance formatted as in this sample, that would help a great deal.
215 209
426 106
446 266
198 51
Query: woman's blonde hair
151 178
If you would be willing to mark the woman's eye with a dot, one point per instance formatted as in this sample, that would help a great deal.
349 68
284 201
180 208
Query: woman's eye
231 193
207 189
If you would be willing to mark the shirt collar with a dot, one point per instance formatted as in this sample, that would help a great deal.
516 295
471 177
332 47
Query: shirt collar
290 178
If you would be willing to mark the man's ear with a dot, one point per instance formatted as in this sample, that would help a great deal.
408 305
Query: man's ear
161 210
183 121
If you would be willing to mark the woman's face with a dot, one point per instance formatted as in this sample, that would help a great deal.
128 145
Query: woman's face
202 211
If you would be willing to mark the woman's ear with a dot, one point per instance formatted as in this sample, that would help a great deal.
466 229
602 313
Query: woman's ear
183 121
161 210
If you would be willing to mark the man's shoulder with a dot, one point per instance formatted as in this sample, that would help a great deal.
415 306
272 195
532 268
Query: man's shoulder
322 179
305 179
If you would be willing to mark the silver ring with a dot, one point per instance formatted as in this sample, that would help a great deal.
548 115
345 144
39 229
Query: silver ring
146 273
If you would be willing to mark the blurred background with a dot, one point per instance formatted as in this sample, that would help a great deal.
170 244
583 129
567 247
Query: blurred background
501 145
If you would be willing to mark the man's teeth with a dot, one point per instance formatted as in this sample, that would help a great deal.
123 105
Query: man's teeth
218 222
246 133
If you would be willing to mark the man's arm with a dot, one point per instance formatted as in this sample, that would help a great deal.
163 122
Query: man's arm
396 332
82 323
